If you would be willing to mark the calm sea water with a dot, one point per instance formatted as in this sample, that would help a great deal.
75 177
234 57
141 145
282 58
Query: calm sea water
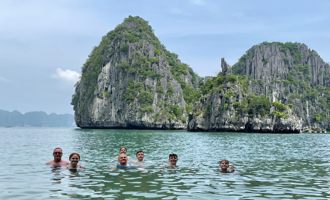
269 166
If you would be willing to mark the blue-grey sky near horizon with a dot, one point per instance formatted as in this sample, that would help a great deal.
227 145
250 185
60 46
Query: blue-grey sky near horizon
44 43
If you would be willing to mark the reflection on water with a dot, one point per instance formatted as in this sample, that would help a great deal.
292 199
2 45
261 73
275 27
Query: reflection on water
269 166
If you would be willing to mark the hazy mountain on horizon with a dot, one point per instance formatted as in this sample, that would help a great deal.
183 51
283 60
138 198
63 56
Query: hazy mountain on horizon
35 119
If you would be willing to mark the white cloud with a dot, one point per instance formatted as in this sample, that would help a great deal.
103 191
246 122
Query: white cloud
66 75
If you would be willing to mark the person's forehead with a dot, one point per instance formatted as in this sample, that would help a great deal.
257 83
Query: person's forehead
58 150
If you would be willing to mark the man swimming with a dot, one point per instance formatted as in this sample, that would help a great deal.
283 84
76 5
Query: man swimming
139 162
58 162
122 161
122 150
139 156
172 160
224 167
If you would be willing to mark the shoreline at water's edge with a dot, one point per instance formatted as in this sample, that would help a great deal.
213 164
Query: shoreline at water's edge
203 130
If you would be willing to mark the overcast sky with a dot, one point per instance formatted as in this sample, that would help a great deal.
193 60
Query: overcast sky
44 43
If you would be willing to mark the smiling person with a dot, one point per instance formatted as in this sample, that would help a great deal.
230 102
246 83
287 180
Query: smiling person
122 150
172 160
224 167
139 162
74 160
122 161
58 162
139 156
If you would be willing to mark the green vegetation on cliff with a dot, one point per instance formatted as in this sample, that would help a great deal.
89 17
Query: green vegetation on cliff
152 79
233 90
295 73
131 72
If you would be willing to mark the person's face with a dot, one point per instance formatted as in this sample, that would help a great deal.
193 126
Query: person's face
140 156
173 160
57 154
122 150
122 159
74 159
224 165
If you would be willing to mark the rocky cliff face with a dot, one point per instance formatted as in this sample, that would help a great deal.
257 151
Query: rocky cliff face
228 105
131 81
280 87
280 61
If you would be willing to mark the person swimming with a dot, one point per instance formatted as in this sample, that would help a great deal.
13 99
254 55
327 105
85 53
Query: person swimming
122 161
139 161
123 150
224 167
74 160
139 156
172 160
57 161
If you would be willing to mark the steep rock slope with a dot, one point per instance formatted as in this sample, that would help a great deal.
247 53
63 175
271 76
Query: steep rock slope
131 81
274 87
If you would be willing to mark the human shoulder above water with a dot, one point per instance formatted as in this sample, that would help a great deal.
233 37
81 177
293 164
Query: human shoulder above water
57 161
225 167
139 161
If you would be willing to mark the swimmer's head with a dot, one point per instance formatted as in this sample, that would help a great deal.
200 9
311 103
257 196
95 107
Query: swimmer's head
57 153
74 156
173 158
122 159
223 165
139 155
123 150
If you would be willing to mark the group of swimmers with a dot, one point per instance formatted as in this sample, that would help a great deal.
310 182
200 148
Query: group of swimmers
74 158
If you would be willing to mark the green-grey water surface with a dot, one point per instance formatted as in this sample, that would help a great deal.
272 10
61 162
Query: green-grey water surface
268 166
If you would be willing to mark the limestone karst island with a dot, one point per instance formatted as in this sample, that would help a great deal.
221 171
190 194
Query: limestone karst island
131 81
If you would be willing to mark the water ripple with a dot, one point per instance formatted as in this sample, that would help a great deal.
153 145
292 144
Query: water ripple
269 166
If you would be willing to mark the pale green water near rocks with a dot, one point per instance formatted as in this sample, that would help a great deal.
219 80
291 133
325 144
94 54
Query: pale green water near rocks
269 166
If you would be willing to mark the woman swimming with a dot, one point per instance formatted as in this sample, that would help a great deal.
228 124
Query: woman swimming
74 160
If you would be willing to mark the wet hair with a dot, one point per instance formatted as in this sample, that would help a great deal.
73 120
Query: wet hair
173 155
57 148
74 153
123 148
226 161
139 151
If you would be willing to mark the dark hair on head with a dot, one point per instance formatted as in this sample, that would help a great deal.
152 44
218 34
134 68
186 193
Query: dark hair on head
123 147
173 155
139 151
74 153
224 160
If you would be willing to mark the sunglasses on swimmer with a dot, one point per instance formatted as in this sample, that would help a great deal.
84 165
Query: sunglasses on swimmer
57 153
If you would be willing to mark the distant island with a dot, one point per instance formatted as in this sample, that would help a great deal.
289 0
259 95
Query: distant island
35 119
